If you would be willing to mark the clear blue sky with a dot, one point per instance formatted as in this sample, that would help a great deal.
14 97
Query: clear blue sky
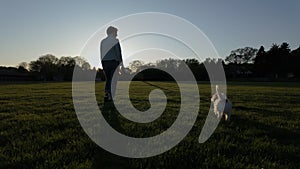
33 28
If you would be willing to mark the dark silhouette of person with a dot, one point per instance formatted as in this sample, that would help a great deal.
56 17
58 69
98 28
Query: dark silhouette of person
111 58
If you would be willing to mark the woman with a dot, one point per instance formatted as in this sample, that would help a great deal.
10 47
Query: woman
111 58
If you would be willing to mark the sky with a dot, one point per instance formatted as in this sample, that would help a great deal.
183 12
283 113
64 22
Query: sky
33 28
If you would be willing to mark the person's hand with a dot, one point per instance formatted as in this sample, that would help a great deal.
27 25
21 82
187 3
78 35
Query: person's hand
122 69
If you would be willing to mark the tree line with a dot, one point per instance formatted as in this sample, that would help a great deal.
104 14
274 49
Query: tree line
279 62
50 68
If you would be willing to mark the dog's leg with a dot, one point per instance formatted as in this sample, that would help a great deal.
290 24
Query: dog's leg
218 114
226 117
229 115
215 110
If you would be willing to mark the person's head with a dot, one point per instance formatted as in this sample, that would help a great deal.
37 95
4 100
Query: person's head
112 31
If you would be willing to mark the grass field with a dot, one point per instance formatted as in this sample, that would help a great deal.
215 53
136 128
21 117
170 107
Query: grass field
39 128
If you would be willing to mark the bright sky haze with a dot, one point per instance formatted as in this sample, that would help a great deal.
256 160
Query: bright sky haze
32 28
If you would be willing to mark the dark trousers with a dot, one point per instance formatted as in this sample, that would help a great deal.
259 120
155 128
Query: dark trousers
109 68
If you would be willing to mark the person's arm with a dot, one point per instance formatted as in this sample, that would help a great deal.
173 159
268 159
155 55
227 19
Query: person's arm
101 51
118 51
119 54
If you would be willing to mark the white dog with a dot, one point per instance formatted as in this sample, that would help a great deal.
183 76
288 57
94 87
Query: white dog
222 105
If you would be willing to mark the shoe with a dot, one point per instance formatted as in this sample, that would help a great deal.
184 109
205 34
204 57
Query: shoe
107 97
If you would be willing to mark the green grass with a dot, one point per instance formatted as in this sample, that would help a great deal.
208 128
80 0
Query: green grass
39 128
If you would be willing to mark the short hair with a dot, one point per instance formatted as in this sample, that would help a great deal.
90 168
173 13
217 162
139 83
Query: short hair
111 30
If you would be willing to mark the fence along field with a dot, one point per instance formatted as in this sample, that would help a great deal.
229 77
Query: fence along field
39 128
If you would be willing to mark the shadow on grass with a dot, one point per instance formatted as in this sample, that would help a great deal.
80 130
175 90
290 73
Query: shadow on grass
250 135
104 159
268 112
281 139
282 135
